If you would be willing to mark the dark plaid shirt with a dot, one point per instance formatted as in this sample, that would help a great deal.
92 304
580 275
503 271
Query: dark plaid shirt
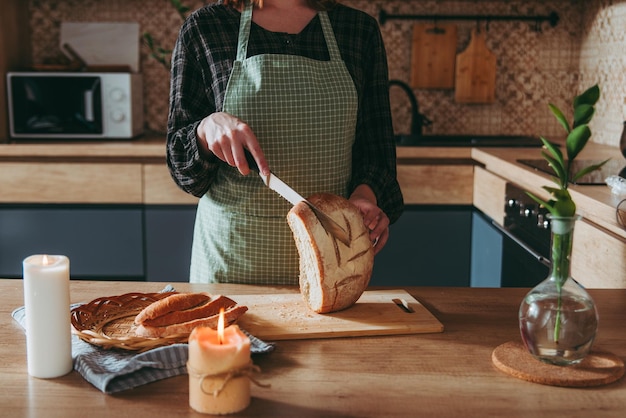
201 65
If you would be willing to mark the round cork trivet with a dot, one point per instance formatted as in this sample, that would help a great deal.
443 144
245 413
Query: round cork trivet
597 368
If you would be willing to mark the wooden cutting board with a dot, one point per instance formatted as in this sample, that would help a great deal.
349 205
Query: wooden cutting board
476 72
433 56
286 317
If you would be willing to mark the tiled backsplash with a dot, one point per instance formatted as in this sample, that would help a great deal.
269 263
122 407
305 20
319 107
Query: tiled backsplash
588 45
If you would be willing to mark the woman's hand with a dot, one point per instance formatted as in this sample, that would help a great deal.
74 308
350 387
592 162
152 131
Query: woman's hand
226 137
375 219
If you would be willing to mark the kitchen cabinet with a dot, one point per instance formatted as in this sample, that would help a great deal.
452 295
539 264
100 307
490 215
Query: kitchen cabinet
151 243
71 182
435 175
102 242
598 257
168 239
432 243
488 193
108 206
160 189
486 253
428 246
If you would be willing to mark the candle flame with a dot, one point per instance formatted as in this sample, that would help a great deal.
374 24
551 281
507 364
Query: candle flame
220 327
44 260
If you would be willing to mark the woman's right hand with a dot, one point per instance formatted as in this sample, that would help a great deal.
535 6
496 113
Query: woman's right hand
226 137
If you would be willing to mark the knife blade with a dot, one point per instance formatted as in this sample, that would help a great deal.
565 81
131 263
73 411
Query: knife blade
293 197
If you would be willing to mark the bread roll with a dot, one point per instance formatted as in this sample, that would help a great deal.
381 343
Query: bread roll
172 303
231 315
180 313
209 308
332 275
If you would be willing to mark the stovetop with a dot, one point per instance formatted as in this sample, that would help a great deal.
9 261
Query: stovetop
611 168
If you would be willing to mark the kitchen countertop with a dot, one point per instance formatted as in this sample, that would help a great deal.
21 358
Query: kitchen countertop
148 148
447 374
595 203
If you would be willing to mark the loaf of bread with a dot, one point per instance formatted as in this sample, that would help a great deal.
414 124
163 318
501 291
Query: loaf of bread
173 303
182 312
332 276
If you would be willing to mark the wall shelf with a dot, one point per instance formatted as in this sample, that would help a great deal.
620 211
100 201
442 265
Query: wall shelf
552 18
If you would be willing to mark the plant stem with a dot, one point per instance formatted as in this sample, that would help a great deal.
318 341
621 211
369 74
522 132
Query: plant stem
562 240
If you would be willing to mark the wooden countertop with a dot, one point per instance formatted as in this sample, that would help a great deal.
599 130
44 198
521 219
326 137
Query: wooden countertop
149 148
595 203
447 374
153 146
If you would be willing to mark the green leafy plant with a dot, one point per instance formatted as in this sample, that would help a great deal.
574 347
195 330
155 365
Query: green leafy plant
561 205
578 134
157 52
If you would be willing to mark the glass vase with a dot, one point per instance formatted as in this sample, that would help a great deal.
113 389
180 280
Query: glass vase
558 319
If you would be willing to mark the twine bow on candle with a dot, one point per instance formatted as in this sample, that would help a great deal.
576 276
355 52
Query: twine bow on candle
247 370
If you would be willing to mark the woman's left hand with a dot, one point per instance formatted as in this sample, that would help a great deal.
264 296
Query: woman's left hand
374 218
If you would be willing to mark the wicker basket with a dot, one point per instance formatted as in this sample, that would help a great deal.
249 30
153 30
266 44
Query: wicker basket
109 322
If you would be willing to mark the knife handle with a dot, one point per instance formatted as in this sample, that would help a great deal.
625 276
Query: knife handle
251 162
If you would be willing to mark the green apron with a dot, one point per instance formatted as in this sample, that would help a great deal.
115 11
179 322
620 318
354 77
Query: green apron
303 112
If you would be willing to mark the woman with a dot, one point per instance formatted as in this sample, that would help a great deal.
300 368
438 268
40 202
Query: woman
303 86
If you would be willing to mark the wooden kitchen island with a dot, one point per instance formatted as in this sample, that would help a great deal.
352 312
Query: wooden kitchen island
448 374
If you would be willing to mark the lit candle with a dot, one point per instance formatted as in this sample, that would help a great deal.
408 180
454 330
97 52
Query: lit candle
219 366
47 311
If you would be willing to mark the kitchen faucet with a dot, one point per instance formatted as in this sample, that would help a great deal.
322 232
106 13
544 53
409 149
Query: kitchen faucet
418 120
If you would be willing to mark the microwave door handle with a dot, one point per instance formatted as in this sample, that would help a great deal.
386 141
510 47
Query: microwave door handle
88 105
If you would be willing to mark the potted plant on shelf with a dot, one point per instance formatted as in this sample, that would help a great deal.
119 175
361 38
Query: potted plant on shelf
558 318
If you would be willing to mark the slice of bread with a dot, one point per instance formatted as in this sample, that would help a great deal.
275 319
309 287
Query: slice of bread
333 276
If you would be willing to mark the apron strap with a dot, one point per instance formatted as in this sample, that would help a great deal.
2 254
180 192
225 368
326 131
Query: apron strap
246 22
329 35
244 32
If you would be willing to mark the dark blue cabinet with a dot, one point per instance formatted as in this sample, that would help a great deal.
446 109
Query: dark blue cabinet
428 246
487 245
168 237
102 242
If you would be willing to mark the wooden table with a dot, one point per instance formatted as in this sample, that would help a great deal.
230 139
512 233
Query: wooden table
447 374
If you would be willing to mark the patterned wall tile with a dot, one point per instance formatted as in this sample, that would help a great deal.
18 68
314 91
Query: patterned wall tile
533 67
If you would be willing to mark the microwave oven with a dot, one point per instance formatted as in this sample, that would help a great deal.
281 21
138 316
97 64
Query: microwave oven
67 105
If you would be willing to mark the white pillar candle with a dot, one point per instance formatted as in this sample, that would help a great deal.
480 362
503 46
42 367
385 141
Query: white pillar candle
218 371
47 310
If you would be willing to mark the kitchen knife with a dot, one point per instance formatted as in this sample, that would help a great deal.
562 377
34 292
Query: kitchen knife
294 197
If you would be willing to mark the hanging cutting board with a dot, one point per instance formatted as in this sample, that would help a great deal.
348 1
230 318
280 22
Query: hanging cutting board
476 72
103 44
433 56
377 312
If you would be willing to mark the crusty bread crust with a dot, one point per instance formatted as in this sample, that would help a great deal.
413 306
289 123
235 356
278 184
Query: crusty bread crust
180 313
210 308
230 316
333 276
175 302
